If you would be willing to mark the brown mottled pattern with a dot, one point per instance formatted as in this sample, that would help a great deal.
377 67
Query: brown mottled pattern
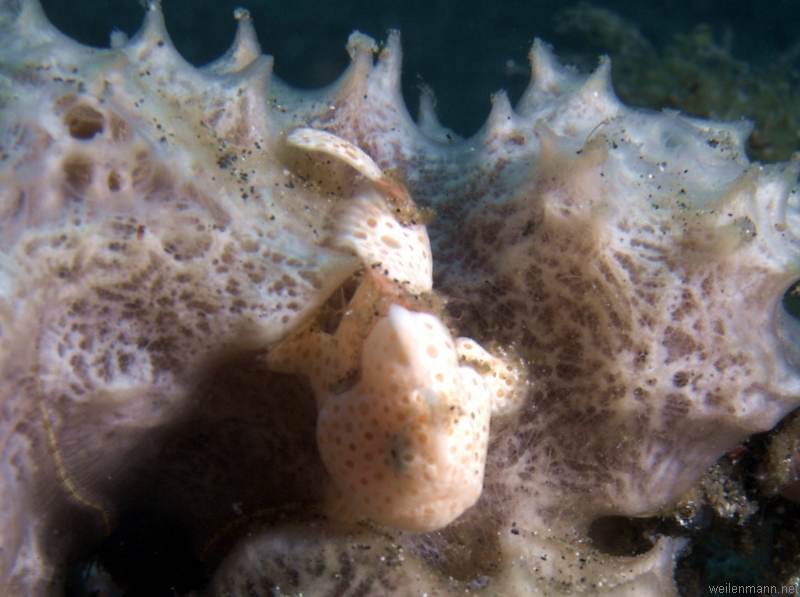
623 328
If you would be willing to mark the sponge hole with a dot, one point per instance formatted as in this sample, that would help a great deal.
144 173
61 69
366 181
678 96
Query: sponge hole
622 536
83 122
791 300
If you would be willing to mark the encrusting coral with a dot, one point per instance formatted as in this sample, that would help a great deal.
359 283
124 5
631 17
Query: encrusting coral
184 249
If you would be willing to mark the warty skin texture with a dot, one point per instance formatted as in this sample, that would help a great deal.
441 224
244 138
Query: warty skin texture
159 238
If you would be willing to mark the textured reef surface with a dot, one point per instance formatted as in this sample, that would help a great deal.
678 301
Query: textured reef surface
519 338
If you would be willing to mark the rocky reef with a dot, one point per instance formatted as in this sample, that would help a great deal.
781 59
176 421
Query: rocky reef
170 234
